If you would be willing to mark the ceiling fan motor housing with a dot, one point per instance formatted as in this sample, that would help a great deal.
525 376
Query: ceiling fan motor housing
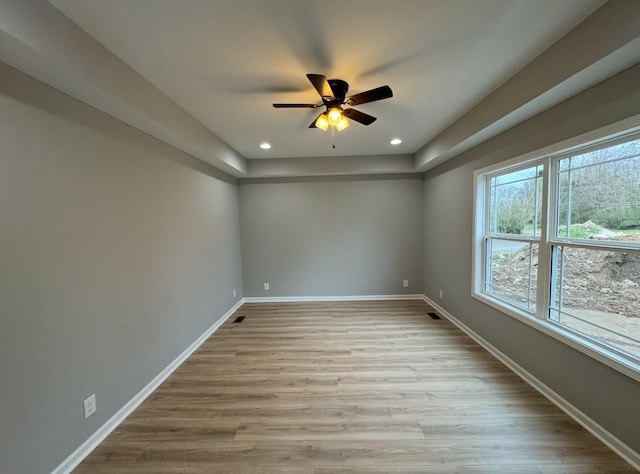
339 88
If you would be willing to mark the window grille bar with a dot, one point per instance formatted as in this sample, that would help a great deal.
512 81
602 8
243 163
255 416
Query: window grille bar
493 287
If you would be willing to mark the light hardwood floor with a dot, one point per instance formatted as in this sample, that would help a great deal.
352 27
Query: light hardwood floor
358 387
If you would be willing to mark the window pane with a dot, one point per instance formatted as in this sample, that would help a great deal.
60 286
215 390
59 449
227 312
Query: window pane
597 293
512 272
599 193
515 202
621 150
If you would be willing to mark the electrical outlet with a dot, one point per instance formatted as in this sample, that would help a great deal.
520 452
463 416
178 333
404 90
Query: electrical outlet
405 283
441 294
266 287
90 406
234 292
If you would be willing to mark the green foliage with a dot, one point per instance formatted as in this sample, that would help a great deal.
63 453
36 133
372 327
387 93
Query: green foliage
610 220
618 218
630 224
580 231
512 218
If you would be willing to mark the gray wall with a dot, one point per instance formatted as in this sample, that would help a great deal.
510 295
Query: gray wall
332 236
116 253
608 397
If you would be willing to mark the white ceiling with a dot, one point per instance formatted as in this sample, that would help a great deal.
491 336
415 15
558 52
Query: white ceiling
226 61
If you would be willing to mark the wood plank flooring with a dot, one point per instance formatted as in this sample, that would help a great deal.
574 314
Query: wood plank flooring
346 388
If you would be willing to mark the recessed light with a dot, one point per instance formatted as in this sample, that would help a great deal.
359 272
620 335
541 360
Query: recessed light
265 146
396 141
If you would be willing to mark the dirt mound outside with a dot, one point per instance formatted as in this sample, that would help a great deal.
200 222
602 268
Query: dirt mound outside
594 280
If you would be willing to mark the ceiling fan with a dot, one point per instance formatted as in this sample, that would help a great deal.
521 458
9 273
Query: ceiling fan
333 93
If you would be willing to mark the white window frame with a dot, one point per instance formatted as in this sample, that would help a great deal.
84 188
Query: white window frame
549 156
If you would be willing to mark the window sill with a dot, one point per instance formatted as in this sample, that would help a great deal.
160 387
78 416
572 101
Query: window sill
624 365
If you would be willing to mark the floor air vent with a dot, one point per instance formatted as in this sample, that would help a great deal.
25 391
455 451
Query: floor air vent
239 319
434 316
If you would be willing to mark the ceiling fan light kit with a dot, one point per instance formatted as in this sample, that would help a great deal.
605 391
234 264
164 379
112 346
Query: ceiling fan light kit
334 115
322 122
333 94
342 123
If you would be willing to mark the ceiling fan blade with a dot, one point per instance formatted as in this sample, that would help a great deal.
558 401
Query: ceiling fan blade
379 93
358 116
322 86
295 106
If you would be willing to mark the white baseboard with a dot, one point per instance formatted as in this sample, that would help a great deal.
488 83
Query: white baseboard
96 438
293 299
619 447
